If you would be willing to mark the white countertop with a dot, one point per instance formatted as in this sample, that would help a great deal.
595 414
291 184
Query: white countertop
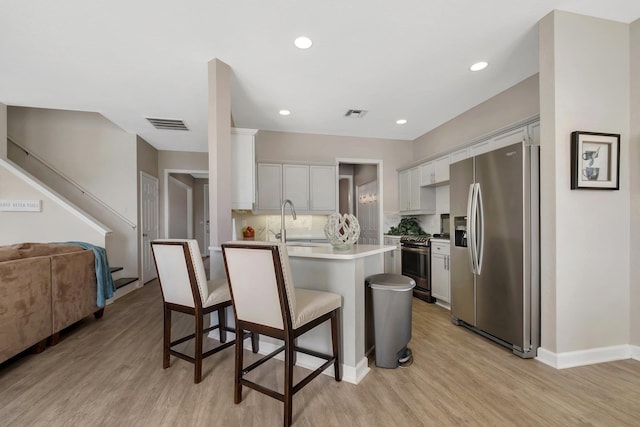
327 252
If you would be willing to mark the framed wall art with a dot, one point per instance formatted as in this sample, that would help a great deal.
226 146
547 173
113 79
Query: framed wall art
595 161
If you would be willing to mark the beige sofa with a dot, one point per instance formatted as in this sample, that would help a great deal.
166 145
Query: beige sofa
43 289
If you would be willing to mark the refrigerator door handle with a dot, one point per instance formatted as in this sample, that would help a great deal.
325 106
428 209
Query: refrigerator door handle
471 226
480 230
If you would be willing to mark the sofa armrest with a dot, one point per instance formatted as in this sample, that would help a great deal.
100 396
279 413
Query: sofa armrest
73 288
25 304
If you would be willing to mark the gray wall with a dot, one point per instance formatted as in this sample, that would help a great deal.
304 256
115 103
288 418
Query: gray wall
198 212
178 209
514 105
584 85
178 161
94 153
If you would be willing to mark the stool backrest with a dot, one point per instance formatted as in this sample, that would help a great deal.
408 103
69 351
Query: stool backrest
260 281
180 271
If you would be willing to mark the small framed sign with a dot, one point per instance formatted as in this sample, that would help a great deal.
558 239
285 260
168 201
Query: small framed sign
595 161
20 205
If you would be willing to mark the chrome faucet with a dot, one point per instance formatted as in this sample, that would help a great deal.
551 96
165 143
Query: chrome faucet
283 232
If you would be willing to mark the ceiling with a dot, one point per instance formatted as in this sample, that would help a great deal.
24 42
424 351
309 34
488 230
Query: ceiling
401 59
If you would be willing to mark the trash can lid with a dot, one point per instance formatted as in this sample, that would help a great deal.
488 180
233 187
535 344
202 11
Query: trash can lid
391 282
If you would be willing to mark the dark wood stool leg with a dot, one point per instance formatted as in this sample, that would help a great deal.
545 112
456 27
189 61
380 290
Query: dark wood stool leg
289 354
255 342
222 323
197 377
98 314
167 337
335 340
237 387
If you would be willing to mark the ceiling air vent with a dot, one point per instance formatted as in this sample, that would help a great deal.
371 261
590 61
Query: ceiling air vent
167 124
356 114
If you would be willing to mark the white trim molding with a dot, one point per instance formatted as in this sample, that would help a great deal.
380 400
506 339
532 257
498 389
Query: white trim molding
55 197
591 356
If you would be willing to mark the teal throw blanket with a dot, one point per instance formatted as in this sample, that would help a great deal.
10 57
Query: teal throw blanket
105 285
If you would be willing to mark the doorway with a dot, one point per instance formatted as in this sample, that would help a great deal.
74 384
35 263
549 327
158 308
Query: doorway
362 185
184 218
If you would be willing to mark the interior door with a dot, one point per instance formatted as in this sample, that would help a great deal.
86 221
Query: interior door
149 223
367 213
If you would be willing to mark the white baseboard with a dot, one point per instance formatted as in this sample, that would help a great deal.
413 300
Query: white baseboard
350 374
635 352
120 292
572 359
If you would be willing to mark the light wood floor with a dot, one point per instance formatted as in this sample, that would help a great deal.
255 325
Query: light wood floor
109 373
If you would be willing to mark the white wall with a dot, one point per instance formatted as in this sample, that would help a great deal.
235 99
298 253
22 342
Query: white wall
298 147
52 224
94 153
584 85
3 131
634 145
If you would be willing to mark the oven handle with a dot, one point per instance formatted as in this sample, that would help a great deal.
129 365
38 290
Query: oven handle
418 250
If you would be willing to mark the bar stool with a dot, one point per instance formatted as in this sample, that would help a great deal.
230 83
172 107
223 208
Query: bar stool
266 302
185 289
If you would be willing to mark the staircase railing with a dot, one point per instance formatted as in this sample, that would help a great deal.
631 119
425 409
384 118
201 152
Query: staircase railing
79 187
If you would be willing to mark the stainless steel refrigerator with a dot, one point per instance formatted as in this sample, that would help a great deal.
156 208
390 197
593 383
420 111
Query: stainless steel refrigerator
495 271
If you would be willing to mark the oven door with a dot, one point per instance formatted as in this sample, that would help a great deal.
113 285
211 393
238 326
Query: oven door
415 264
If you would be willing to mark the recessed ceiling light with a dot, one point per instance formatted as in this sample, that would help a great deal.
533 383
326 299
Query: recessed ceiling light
401 121
303 42
285 112
479 66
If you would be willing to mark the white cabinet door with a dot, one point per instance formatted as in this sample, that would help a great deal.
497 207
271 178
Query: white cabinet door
461 154
511 137
295 180
323 188
404 190
269 186
414 197
481 147
243 174
427 174
440 280
441 169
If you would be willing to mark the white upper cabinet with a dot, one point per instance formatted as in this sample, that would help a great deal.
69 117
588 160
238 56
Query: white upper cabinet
481 147
441 169
404 190
458 155
296 185
269 186
427 172
323 188
511 137
243 168
414 197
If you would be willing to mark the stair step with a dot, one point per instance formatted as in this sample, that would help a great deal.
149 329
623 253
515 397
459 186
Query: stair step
114 269
124 281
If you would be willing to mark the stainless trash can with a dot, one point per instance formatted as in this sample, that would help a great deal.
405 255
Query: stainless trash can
392 296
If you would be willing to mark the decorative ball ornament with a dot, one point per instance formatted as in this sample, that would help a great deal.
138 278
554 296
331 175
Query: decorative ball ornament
342 230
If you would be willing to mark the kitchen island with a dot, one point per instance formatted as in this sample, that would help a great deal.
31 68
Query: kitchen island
342 272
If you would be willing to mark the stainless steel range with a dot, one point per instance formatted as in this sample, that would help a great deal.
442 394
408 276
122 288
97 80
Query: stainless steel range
416 263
